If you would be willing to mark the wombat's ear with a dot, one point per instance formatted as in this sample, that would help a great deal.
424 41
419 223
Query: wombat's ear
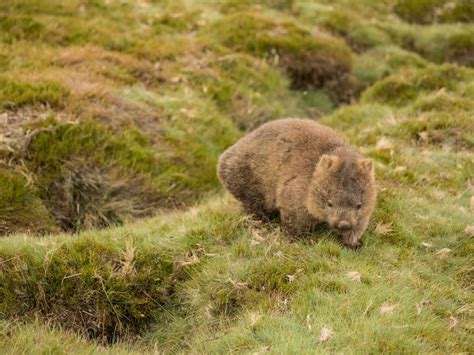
366 165
328 161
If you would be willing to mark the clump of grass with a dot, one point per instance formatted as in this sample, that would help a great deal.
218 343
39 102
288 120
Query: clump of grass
94 285
88 178
310 60
235 5
45 337
404 87
14 28
120 68
21 210
429 11
359 34
110 285
447 43
15 93
192 138
379 62
248 90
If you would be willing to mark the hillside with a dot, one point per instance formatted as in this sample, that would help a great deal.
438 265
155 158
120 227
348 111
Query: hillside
115 235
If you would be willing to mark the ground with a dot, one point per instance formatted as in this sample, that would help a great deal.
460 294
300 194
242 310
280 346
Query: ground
115 234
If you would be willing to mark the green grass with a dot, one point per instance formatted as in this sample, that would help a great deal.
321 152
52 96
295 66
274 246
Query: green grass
16 94
429 11
311 61
116 234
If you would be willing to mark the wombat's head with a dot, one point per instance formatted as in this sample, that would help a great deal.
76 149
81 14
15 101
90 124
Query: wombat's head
342 193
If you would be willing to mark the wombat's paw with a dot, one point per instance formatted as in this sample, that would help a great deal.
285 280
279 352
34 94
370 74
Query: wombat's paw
355 246
352 240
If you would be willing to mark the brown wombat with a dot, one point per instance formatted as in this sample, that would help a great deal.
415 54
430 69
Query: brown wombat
304 171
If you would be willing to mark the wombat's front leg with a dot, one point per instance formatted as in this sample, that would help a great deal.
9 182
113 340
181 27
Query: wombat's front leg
294 223
353 238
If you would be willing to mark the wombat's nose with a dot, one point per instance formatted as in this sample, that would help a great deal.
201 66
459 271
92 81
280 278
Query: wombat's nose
344 225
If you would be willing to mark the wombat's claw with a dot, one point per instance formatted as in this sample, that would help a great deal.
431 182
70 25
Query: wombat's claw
353 244
356 246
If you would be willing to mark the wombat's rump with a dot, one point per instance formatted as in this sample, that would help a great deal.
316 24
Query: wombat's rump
304 171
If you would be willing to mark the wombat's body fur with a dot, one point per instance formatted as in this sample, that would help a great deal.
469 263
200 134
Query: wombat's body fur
304 171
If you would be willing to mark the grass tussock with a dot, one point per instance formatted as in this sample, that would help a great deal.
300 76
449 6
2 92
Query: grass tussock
16 94
429 11
312 60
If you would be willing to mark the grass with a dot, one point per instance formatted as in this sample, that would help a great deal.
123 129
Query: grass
16 94
116 235
310 60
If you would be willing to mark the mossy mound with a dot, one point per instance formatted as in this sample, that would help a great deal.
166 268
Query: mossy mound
89 178
247 89
406 86
15 28
429 11
113 285
99 289
311 60
358 33
379 62
447 43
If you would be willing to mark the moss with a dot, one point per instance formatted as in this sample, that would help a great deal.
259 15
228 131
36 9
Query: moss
15 93
310 60
21 210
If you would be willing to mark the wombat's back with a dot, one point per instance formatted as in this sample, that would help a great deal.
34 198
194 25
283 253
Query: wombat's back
252 168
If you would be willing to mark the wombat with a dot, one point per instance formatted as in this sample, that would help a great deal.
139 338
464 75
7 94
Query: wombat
305 172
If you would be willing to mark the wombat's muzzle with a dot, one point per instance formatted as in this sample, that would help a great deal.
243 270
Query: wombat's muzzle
343 225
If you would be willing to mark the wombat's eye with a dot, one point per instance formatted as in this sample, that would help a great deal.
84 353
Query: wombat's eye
359 205
329 203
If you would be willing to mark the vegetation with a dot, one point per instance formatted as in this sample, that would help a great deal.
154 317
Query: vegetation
116 236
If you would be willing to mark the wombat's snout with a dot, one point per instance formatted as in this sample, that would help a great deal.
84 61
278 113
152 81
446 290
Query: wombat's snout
343 225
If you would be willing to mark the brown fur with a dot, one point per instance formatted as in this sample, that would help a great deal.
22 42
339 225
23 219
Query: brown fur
299 168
